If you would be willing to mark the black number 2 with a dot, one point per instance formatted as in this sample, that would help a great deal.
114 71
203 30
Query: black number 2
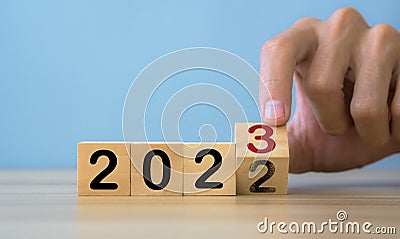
255 187
96 183
201 181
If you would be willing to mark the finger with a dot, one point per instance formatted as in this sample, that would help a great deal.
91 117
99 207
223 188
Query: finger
369 106
395 109
278 59
324 85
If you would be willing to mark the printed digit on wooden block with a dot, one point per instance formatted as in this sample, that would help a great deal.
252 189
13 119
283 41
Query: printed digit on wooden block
260 140
256 176
262 154
103 168
160 169
209 169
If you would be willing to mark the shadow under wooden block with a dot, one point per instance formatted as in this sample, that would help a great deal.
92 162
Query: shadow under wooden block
209 169
262 155
103 168
157 169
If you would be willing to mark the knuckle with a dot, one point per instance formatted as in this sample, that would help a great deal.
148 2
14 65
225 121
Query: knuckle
384 30
365 111
319 88
306 21
346 14
378 140
270 80
384 39
345 20
367 117
276 45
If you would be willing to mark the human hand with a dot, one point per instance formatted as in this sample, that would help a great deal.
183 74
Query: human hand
347 78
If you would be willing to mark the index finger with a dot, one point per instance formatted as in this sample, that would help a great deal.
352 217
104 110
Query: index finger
278 59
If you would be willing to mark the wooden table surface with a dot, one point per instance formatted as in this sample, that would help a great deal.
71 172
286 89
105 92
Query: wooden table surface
44 204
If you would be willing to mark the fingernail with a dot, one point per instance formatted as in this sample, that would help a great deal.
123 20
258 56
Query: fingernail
274 109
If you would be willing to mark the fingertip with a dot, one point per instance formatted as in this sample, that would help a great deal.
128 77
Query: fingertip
277 122
273 113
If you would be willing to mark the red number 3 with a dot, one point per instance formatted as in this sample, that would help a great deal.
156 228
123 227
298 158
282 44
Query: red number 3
268 131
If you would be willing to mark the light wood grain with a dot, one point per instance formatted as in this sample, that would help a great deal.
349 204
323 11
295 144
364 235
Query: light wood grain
88 171
225 174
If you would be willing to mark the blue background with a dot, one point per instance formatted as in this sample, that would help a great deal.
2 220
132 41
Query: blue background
66 66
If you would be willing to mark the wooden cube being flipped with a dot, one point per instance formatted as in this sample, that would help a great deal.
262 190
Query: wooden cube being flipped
262 156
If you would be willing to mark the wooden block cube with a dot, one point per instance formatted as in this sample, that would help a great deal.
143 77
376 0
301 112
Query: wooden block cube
257 176
262 155
157 169
259 140
209 169
103 168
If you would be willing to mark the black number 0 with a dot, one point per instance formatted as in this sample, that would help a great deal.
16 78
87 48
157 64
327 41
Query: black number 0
166 169
201 181
96 183
255 187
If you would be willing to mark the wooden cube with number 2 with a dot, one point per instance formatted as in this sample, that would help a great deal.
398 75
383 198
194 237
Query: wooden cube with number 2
262 155
104 168
210 169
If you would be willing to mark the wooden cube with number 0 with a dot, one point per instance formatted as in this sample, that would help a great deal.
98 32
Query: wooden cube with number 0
158 169
103 168
209 169
262 155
